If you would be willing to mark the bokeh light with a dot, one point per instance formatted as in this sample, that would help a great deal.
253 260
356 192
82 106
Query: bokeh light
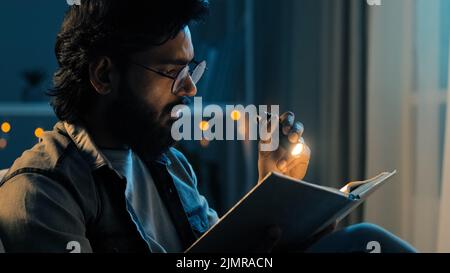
3 143
203 125
235 115
38 132
6 127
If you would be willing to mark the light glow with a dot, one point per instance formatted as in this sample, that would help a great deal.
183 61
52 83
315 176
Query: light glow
297 149
6 127
39 132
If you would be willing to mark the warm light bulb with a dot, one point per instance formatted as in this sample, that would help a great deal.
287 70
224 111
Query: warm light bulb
6 127
38 132
297 149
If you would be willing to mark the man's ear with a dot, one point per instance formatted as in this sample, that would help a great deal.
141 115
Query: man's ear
100 71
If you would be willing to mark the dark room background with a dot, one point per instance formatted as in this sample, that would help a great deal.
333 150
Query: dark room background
307 56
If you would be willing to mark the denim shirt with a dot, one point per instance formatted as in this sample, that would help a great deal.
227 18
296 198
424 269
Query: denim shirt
64 190
144 203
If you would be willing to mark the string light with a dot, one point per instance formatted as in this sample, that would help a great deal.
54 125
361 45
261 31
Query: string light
6 127
203 125
235 115
38 132
3 143
204 142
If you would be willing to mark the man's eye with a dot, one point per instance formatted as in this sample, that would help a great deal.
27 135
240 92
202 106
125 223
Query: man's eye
172 72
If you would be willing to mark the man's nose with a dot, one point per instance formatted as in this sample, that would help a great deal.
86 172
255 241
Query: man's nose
187 89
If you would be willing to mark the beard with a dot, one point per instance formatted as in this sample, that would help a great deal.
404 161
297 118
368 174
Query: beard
136 124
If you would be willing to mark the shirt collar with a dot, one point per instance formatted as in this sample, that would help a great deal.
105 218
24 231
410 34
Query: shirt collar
89 150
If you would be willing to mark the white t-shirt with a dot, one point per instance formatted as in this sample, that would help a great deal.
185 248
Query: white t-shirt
144 204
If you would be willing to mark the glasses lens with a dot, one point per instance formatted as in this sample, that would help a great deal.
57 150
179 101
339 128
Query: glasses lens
198 71
179 80
196 75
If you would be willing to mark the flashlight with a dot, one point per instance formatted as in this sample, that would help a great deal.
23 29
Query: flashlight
294 148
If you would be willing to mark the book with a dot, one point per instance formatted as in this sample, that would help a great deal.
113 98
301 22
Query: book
300 209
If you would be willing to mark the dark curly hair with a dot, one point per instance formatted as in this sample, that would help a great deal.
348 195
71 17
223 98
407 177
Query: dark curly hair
113 28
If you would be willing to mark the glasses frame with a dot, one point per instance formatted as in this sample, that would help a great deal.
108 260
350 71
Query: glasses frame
174 78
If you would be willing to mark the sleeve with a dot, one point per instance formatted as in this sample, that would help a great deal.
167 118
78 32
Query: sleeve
37 214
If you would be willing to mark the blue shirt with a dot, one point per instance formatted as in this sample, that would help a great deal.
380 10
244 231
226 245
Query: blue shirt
145 206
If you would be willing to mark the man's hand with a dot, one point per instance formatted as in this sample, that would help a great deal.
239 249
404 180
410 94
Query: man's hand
281 160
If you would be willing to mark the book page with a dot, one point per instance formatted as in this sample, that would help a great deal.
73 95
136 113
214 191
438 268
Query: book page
358 188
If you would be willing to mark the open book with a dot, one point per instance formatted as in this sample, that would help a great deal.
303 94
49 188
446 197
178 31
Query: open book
299 208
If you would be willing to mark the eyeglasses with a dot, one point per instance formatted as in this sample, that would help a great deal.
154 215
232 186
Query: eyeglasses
194 69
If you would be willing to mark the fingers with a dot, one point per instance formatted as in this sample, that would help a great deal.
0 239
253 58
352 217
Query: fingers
288 162
296 164
288 156
282 164
293 130
296 132
287 121
289 127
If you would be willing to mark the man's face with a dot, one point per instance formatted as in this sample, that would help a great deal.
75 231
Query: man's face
140 113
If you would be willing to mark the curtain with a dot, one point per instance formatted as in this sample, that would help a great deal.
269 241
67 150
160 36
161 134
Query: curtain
407 102
342 89
307 56
443 239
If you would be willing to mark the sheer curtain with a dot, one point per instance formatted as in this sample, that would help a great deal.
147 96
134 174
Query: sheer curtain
443 244
407 102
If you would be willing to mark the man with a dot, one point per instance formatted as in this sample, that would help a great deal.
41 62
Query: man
107 178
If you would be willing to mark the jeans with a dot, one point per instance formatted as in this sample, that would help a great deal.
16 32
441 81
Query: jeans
362 237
